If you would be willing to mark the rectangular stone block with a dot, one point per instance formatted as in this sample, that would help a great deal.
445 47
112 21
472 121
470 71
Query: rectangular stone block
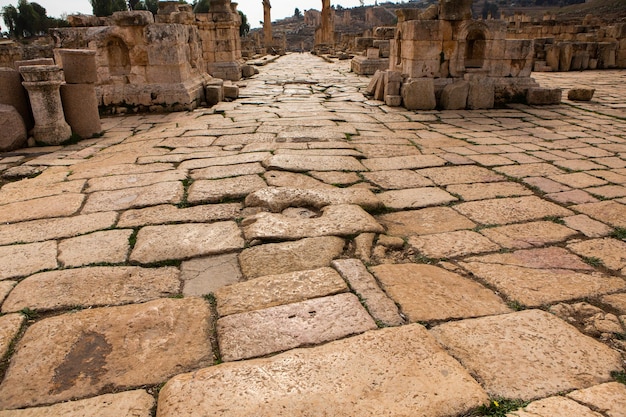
543 96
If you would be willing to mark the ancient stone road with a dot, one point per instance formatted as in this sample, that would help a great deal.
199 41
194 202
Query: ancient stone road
304 251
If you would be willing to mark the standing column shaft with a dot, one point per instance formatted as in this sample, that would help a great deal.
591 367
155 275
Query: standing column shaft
267 24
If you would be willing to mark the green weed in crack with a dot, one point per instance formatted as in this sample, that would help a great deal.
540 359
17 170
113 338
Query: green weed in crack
499 407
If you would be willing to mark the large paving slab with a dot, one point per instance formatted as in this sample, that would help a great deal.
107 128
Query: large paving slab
396 371
273 290
42 208
510 210
543 276
277 199
611 252
483 191
554 407
452 244
214 191
23 260
609 398
117 182
609 212
425 221
149 195
294 180
275 329
181 241
397 179
27 190
168 213
95 286
415 198
10 325
335 220
82 354
205 275
136 403
528 235
429 293
403 162
302 163
109 246
278 258
528 354
460 175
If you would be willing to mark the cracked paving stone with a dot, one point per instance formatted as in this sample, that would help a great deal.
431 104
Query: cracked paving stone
609 398
82 354
149 195
109 246
185 241
339 220
42 208
609 212
95 286
527 354
23 260
214 191
275 329
277 199
302 163
10 325
510 210
528 235
452 244
203 276
273 290
554 407
427 293
394 371
611 252
415 198
425 221
278 258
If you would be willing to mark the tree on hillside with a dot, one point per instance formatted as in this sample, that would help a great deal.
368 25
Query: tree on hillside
107 7
28 19
245 26
297 13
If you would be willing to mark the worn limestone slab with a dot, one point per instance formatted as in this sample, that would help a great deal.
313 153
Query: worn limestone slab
216 190
110 246
425 221
540 169
273 290
278 258
554 407
41 208
452 244
242 158
528 235
149 195
95 286
22 260
611 252
397 179
104 167
302 163
10 325
203 276
526 280
5 288
517 355
181 241
27 190
379 305
136 403
395 371
464 174
427 293
41 230
609 398
82 354
610 212
335 220
168 213
225 171
403 162
277 199
336 177
617 301
415 198
275 329
484 191
510 210
118 182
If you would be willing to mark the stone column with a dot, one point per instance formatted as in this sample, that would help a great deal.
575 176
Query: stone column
78 95
43 83
267 25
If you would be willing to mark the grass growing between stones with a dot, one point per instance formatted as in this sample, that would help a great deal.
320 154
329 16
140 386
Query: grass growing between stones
619 233
593 261
619 376
499 407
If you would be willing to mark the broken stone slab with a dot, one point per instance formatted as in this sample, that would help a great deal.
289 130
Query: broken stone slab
273 290
554 407
13 133
335 220
543 96
136 197
379 305
395 371
203 276
275 329
608 399
214 191
515 355
415 198
454 95
181 241
419 94
278 258
136 403
276 199
95 286
303 163
430 293
82 354
581 94
23 260
397 179
108 246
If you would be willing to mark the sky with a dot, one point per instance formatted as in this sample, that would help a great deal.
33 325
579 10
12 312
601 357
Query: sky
253 9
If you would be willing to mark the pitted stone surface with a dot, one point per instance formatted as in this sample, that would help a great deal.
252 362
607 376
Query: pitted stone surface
425 221
87 287
109 246
294 180
302 163
379 305
611 252
528 235
452 244
609 212
427 293
170 214
415 198
273 290
214 191
42 208
23 260
396 371
554 407
186 241
460 175
537 355
274 329
217 172
278 258
339 220
149 195
609 398
136 403
510 210
10 325
277 199
77 355
118 182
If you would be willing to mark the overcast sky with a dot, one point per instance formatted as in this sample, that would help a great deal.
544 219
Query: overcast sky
253 9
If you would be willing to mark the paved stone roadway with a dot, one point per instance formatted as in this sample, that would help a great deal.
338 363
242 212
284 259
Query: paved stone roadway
305 251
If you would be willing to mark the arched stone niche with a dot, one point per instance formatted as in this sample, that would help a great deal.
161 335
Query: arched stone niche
118 57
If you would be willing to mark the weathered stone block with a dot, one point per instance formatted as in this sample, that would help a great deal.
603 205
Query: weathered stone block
543 95
231 91
419 94
79 66
481 93
14 94
581 94
12 129
80 106
454 96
